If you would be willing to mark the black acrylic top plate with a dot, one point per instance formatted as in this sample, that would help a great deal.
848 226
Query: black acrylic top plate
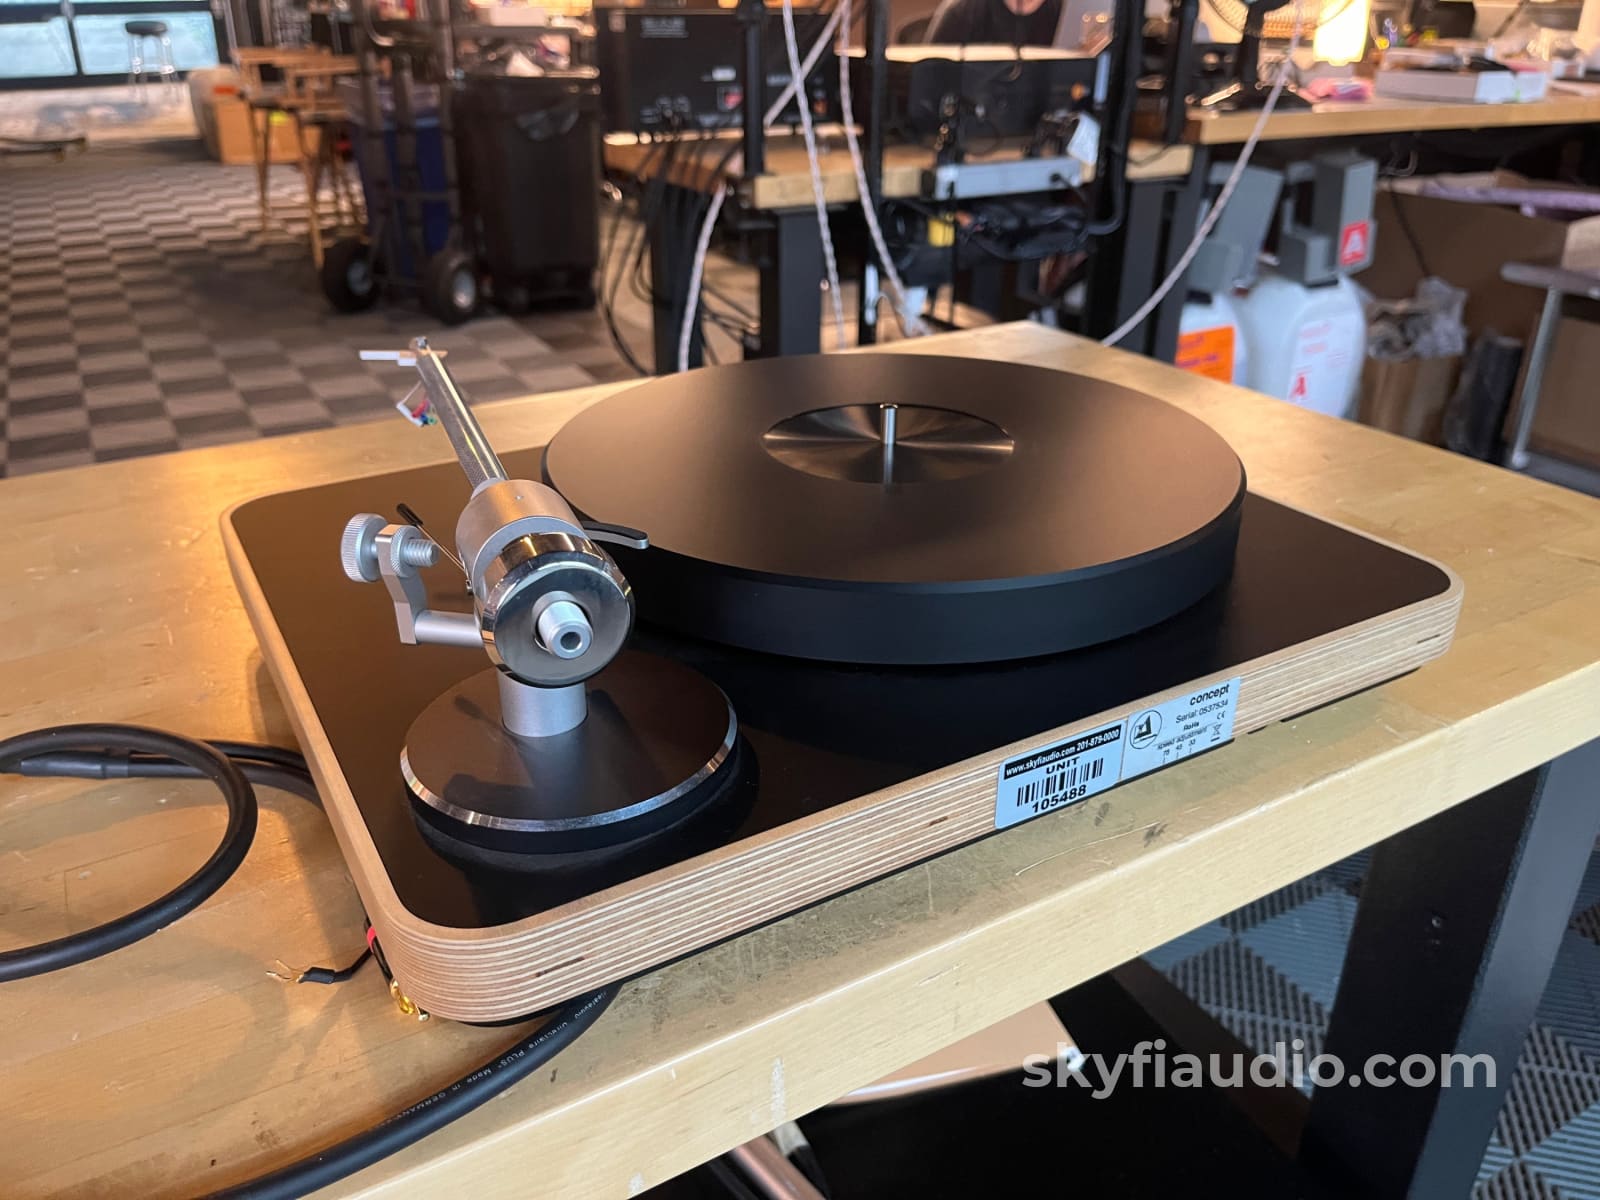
815 735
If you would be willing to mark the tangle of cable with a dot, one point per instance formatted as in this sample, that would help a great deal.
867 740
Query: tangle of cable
791 44
910 322
702 247
795 87
796 82
1221 202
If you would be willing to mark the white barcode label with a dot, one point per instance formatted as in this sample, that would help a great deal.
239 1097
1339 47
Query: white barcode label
1044 780
1055 776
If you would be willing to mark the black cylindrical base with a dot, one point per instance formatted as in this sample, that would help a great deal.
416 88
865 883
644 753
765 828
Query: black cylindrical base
648 754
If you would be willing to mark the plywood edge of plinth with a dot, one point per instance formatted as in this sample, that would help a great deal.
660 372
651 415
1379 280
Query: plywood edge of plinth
383 906
523 966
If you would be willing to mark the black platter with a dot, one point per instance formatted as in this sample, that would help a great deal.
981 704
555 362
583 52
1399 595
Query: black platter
1014 511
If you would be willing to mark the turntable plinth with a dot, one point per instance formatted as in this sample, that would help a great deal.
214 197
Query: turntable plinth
844 772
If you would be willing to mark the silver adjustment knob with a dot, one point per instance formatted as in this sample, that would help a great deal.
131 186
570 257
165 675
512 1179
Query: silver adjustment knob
358 552
409 549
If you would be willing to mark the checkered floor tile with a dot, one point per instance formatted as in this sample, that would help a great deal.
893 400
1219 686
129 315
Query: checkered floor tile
1269 973
142 309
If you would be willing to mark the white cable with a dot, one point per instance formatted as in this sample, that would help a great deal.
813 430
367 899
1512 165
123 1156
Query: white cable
792 45
1228 186
702 245
797 78
910 322
806 67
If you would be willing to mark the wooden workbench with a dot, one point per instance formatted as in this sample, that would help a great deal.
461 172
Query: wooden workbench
179 1065
786 183
1577 106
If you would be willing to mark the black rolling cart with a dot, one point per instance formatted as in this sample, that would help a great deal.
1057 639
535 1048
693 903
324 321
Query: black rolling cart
530 163
478 184
404 138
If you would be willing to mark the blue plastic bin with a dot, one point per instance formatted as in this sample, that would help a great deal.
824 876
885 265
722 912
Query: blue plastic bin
430 171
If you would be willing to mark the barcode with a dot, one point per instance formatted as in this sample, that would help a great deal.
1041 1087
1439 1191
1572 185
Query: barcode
1054 785
1050 777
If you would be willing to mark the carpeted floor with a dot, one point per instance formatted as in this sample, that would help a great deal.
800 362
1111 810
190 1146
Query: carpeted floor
142 309
1269 972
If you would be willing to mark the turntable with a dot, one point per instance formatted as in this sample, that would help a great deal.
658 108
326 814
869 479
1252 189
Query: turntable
741 639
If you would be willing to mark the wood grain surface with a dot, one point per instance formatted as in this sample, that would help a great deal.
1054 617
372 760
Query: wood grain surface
179 1065
1334 118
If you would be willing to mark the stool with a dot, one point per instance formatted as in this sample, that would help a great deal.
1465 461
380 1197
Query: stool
140 32
1558 284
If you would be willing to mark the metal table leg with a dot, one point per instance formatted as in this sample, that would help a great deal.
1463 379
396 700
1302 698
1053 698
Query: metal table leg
1180 226
1127 266
671 258
1459 924
791 300
1544 338
1160 217
261 144
311 175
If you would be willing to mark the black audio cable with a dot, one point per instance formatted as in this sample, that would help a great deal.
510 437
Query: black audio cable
133 751
558 1032
107 752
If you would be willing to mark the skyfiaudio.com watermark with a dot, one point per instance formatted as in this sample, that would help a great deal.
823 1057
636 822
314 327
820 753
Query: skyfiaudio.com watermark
1149 1065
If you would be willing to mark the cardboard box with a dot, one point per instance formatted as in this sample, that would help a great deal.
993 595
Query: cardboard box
1408 396
1567 421
1467 244
205 85
227 133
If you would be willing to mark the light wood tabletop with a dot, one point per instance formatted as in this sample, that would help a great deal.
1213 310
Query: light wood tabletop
786 182
1570 104
179 1065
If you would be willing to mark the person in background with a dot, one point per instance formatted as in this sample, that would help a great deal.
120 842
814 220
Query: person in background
994 22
